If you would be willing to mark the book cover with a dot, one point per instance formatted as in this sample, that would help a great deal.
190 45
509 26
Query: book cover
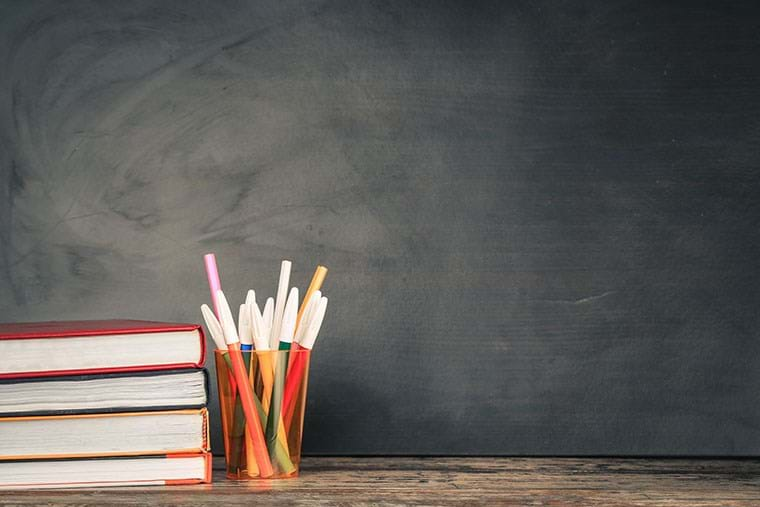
39 386
96 346
165 470
104 435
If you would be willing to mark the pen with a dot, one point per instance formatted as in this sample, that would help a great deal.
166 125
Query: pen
309 307
245 322
244 328
316 283
260 331
237 431
300 360
238 416
268 314
214 328
253 425
266 375
282 456
311 333
217 336
281 364
279 305
245 331
288 328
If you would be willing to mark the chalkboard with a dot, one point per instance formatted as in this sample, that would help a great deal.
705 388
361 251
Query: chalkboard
541 219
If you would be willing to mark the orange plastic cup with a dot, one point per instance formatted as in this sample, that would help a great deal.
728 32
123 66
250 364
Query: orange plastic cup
268 375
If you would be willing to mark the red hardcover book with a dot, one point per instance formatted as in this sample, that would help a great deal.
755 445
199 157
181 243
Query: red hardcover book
173 469
42 349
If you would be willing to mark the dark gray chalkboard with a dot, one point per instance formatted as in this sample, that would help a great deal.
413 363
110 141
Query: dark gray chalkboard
542 220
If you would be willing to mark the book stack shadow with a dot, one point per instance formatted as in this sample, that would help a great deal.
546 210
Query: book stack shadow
102 403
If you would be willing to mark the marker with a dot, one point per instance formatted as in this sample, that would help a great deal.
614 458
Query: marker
266 366
244 328
279 304
300 360
297 361
214 328
261 342
281 452
237 432
286 338
217 336
314 326
268 314
253 425
288 328
316 283
245 323
282 456
309 306
260 331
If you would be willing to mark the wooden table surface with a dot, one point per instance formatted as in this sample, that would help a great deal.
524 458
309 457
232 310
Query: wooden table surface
453 481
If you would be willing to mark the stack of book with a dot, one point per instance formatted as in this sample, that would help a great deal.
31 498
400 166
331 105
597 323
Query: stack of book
99 403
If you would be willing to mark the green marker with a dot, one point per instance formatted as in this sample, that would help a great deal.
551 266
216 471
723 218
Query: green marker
287 330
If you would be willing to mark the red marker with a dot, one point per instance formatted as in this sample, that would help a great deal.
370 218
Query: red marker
312 322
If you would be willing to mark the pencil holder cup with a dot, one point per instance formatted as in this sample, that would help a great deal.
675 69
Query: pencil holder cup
278 381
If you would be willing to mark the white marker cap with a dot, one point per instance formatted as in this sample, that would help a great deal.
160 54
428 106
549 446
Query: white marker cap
279 304
260 333
288 327
268 315
214 328
315 325
226 320
244 325
308 312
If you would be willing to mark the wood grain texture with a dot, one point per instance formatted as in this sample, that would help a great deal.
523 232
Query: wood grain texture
541 218
454 481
